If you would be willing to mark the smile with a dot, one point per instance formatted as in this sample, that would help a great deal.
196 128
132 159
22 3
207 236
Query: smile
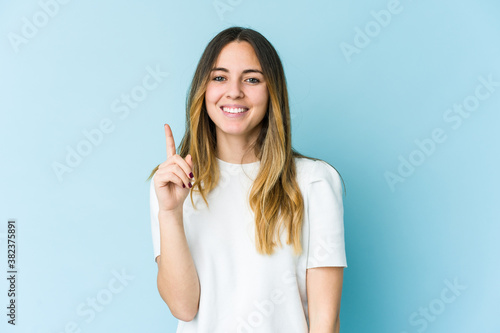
233 110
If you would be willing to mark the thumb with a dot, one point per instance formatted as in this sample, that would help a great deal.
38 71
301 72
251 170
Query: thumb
189 160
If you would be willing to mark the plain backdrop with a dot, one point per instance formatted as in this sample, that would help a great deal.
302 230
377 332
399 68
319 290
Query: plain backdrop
402 97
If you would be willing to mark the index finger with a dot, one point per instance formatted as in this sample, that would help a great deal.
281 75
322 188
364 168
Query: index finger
170 141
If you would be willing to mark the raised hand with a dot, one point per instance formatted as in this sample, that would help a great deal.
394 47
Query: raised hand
172 179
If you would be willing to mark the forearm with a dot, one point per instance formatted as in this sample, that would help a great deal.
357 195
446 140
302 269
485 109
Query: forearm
331 326
177 279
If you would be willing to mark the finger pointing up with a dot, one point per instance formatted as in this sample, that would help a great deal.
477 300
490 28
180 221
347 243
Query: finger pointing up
170 141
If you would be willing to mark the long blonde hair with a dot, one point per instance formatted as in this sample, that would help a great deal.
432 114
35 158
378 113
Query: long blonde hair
275 197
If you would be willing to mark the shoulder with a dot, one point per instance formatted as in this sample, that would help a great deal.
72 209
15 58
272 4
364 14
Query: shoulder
316 170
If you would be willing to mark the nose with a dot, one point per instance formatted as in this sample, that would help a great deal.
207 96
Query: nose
234 90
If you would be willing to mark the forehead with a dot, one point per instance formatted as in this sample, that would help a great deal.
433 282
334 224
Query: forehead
237 55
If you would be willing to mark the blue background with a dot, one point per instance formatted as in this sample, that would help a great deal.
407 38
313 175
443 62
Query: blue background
361 111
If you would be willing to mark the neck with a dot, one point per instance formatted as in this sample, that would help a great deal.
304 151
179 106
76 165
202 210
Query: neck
235 148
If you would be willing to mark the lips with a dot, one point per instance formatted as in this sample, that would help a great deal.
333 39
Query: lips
234 106
234 109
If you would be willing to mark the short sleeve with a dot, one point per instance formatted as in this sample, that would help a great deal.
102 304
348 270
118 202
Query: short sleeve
326 217
155 225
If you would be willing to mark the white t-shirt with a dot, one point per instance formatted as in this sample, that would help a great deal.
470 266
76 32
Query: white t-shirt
243 291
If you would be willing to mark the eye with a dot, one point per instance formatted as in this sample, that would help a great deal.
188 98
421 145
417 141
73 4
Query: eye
256 80
217 77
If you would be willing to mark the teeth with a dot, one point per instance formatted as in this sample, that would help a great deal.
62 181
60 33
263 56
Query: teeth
234 110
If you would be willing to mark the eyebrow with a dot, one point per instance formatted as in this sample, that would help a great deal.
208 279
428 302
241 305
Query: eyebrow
244 72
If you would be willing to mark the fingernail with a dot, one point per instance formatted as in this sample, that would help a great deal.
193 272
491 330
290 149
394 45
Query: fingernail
191 175
189 184
183 185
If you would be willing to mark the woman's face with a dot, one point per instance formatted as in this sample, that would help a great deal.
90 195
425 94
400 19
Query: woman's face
236 98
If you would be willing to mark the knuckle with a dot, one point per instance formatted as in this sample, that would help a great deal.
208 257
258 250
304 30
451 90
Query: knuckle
177 157
179 169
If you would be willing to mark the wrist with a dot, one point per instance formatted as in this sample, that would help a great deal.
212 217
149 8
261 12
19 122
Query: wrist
170 215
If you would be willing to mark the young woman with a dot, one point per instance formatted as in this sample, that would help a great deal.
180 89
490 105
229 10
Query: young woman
259 246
